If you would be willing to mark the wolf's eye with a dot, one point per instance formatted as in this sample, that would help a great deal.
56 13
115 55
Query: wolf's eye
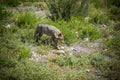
60 34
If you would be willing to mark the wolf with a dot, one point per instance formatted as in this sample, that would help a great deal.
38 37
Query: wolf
55 34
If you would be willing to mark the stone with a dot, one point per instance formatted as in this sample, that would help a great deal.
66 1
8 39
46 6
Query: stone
59 52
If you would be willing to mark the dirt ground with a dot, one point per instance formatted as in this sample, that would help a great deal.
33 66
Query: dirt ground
81 48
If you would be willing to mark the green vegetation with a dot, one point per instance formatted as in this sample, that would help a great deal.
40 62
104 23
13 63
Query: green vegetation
77 20
25 19
65 9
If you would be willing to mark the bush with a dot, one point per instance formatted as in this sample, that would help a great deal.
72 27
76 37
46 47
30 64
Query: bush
64 9
25 19
12 3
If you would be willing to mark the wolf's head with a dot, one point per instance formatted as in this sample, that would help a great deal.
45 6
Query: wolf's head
61 37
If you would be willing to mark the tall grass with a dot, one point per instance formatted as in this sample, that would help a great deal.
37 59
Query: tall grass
25 19
64 9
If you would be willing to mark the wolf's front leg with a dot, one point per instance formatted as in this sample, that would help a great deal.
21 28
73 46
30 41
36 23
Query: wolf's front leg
55 43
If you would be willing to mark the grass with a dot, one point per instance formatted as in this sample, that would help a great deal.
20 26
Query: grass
66 9
25 19
16 41
44 49
24 52
99 61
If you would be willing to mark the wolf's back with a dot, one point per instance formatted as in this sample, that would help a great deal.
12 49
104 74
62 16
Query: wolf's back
48 29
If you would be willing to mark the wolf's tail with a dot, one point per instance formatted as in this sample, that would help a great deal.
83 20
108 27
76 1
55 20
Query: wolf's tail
38 33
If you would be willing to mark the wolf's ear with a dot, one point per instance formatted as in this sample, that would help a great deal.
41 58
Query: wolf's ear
60 34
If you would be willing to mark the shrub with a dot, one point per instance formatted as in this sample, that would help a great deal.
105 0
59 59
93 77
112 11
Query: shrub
64 9
25 19
12 3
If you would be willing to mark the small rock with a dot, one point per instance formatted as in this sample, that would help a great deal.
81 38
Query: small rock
77 34
74 49
62 47
8 26
59 52
86 39
87 70
104 25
